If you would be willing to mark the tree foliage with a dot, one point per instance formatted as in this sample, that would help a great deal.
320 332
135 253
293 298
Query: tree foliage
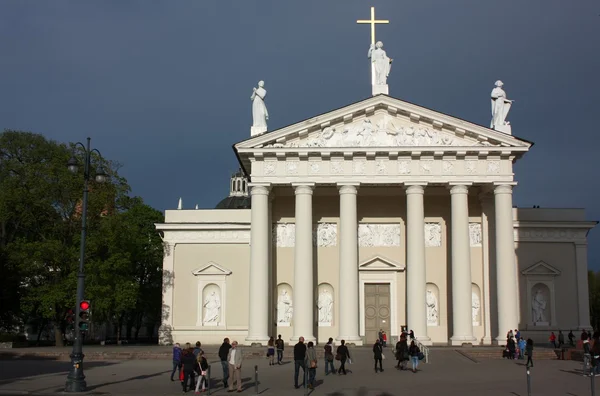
40 235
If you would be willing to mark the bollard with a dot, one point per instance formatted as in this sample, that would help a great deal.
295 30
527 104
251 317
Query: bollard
528 382
592 378
256 379
208 380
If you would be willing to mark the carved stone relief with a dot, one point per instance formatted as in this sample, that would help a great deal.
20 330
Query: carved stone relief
337 167
269 167
359 167
404 167
432 305
471 167
325 235
292 167
425 166
381 167
433 234
493 167
284 234
549 234
475 234
448 167
314 167
370 234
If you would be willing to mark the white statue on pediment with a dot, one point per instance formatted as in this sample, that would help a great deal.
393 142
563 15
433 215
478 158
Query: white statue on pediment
382 64
432 309
212 306
500 108
284 307
538 306
260 115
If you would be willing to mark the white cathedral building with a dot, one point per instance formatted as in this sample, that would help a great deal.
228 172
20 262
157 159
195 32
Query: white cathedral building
378 215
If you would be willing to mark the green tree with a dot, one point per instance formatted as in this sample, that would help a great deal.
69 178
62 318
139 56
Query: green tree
594 294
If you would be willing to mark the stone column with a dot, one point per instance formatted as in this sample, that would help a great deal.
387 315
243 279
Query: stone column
462 321
348 288
258 311
166 327
506 272
583 301
415 263
304 299
487 206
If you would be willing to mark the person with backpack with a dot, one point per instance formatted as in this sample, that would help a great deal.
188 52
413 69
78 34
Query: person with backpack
329 357
414 353
202 368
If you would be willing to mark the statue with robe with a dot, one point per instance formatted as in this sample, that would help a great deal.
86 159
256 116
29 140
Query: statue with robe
475 306
381 63
432 309
500 108
538 305
284 308
260 115
212 306
325 305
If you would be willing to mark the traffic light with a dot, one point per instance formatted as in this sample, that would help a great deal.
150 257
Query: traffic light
84 315
70 317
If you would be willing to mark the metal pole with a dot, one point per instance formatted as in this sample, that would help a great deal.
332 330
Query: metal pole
528 382
256 379
76 378
592 377
208 380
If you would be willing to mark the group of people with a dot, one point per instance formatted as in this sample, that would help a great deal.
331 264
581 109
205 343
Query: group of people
591 351
561 339
517 348
405 352
193 366
305 357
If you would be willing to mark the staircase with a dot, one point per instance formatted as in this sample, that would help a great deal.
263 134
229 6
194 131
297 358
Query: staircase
484 353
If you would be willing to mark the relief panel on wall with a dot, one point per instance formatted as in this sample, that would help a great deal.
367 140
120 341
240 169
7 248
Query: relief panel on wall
371 235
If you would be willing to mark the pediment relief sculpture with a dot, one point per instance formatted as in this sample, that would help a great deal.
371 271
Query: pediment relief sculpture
378 131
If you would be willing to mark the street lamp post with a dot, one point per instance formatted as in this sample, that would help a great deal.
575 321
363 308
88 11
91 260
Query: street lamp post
75 378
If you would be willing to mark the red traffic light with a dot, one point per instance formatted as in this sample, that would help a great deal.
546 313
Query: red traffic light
84 305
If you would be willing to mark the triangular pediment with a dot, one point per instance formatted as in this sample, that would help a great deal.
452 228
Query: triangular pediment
383 121
541 268
380 263
211 268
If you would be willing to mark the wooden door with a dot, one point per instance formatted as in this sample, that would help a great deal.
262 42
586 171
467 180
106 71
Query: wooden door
377 311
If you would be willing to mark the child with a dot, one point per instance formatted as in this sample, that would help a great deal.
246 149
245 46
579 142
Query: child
522 346
203 366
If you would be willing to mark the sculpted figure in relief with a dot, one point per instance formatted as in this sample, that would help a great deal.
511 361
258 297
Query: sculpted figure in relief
475 306
432 309
212 306
284 308
326 234
382 64
433 234
500 108
260 115
539 307
475 234
325 306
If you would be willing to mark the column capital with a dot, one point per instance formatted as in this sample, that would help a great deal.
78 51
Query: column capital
348 188
503 188
259 188
459 188
303 188
415 188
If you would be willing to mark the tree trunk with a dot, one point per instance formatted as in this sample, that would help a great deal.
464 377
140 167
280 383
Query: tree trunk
137 332
119 325
58 335
128 330
40 330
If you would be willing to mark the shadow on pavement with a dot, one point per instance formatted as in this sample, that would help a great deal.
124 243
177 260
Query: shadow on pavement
12 371
136 378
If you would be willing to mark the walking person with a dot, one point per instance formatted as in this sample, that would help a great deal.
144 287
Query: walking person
402 352
329 357
552 339
279 344
197 349
561 339
188 362
203 371
384 341
234 358
176 361
529 352
299 361
342 354
223 353
414 352
378 355
271 351
311 362
595 352
571 337
411 335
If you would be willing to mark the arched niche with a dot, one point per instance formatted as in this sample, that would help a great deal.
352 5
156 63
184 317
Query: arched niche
432 304
541 307
476 304
325 305
211 305
285 306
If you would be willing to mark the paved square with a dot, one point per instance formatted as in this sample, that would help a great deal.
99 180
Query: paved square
449 373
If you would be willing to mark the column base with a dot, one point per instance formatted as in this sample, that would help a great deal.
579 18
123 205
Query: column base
350 340
424 340
257 340
294 340
461 340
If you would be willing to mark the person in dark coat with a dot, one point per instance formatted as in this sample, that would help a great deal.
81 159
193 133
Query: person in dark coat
343 354
378 354
510 345
188 361
529 352
299 361
176 361
223 352
402 352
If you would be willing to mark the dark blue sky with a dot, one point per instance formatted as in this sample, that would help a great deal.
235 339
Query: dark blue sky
164 86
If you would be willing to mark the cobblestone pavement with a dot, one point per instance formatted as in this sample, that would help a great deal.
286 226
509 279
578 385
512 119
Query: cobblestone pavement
449 373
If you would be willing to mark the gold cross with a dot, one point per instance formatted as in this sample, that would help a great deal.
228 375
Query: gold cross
372 22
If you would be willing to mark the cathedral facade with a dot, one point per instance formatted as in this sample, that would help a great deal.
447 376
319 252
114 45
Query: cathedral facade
381 215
